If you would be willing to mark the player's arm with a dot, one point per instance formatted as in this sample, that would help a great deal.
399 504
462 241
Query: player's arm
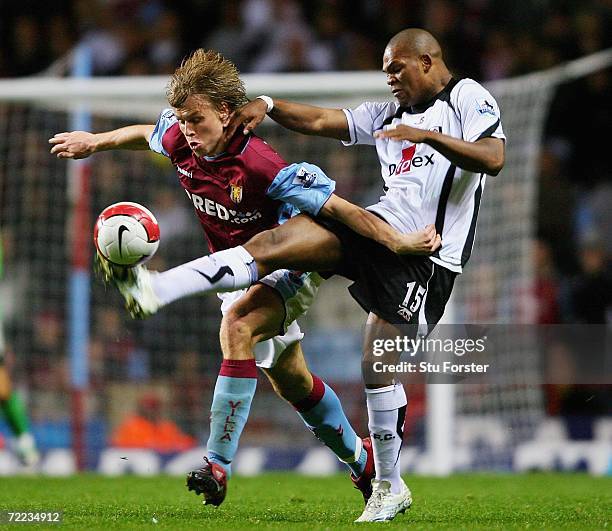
82 144
307 188
306 119
425 241
486 155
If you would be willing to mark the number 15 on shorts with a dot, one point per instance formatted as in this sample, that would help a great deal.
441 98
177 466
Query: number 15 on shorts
412 301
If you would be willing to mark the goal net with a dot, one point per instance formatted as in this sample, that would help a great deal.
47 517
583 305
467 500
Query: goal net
83 365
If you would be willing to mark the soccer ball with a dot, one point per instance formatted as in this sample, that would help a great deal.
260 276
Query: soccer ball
126 234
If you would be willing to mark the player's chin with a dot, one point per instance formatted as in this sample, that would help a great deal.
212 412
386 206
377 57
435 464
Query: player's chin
403 102
401 98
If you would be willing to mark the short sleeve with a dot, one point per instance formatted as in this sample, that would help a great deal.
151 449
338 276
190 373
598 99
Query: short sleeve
165 121
363 121
303 185
479 112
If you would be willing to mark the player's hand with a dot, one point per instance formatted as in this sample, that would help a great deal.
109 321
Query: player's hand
248 117
73 145
422 242
403 132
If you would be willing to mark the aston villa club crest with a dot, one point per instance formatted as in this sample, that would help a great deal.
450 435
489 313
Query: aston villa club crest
235 193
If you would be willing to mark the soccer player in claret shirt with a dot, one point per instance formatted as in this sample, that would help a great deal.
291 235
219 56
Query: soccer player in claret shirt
239 186
436 143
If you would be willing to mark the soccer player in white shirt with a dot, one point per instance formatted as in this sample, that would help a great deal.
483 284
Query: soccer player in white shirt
436 143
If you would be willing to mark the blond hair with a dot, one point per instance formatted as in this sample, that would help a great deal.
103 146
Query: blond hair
207 73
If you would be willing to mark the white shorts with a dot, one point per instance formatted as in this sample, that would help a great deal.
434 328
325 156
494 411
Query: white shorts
298 291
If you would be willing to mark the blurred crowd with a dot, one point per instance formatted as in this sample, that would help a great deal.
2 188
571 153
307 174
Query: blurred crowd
487 39
484 39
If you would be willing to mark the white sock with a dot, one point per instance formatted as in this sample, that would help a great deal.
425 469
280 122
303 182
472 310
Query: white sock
386 412
227 270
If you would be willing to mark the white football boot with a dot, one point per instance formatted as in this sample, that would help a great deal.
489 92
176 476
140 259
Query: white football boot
26 451
134 284
383 505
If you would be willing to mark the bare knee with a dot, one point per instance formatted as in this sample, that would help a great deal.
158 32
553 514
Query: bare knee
236 335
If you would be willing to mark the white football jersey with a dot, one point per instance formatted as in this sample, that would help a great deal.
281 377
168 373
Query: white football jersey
421 185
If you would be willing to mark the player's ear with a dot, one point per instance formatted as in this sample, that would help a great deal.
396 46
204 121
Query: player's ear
224 114
426 62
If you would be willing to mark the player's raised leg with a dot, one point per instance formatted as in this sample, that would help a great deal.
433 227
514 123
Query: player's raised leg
300 244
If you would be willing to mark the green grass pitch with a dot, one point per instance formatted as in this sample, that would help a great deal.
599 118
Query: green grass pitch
289 501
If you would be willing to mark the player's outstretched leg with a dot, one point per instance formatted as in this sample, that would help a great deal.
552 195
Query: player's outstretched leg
134 284
145 292
299 244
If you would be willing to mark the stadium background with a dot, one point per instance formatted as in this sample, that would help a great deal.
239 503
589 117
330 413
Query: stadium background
166 366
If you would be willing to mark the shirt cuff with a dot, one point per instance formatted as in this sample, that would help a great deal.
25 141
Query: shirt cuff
351 128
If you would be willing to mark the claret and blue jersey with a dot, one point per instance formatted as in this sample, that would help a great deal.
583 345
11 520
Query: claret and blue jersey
246 189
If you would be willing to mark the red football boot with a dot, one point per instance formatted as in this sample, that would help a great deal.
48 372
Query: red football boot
364 482
211 481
